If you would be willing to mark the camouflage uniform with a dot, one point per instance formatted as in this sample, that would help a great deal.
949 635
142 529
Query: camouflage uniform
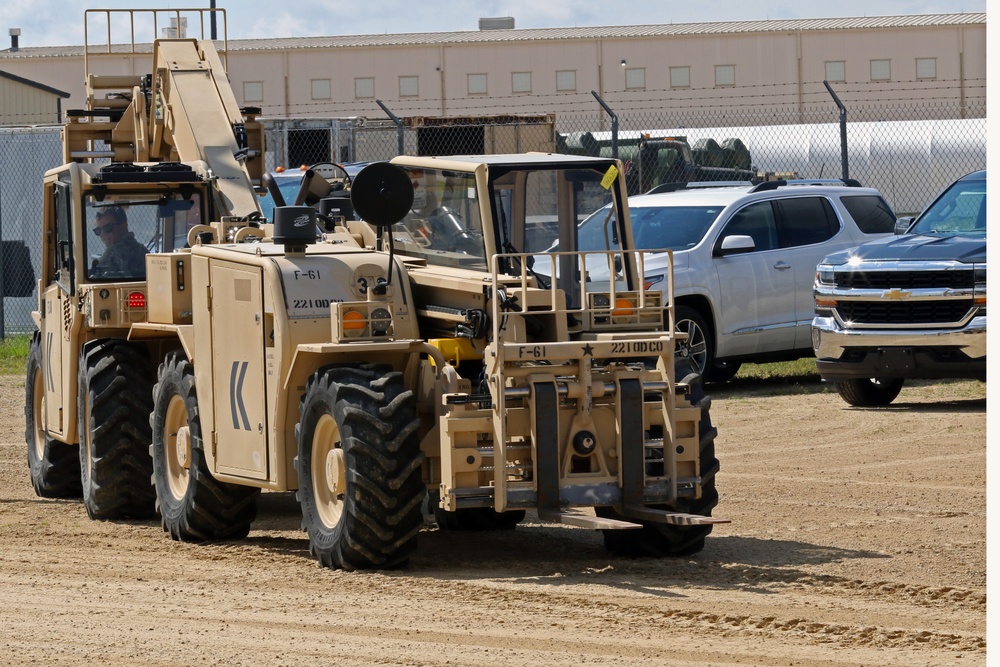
127 258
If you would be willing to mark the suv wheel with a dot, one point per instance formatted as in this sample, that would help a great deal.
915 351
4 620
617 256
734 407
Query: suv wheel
698 347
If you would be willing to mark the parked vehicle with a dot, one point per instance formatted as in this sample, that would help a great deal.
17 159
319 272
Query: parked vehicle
745 260
910 306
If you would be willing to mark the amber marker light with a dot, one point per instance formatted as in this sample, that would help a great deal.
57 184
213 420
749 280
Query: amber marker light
623 308
354 321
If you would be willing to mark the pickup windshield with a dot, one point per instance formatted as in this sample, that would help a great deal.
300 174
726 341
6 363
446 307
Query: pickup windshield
960 210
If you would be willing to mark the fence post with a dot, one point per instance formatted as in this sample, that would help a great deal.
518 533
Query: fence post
614 123
399 126
843 130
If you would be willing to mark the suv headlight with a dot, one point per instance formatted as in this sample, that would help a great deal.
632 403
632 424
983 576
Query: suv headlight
649 281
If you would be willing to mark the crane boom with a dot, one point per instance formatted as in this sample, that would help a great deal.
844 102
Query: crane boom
184 111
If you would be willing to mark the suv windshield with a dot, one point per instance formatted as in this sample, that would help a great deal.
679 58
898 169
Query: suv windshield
653 227
960 210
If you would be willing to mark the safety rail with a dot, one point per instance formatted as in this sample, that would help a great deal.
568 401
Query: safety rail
150 20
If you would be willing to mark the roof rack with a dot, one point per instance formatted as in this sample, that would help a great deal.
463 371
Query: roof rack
673 187
774 185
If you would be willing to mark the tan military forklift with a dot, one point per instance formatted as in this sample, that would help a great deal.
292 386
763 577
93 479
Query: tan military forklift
147 164
454 343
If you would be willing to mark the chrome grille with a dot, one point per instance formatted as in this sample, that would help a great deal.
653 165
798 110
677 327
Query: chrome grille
907 280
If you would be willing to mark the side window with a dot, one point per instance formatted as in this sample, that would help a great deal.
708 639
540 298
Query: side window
63 246
757 222
871 213
806 221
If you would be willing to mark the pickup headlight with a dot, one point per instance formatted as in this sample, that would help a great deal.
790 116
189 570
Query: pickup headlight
979 293
824 275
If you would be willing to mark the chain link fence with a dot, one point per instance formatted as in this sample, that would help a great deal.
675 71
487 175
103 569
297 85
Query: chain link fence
909 152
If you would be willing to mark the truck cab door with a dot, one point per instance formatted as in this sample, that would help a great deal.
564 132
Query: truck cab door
238 367
60 322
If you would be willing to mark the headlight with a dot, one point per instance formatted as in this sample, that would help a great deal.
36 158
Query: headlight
649 281
979 294
825 275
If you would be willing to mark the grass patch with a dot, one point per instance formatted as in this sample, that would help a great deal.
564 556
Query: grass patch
14 354
800 369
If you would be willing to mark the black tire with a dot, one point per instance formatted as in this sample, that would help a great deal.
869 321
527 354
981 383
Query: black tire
54 466
474 518
870 392
115 398
358 462
661 540
193 505
723 371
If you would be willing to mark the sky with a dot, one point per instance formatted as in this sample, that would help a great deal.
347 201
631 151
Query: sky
60 22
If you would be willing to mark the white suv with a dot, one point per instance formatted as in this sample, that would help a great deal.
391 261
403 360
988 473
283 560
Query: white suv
745 260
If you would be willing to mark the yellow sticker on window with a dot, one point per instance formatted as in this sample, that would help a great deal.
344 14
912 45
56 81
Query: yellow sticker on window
609 177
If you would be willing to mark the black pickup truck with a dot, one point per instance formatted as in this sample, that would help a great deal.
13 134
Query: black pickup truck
909 306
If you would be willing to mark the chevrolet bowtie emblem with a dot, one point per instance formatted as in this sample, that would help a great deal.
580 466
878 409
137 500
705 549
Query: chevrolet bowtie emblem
895 294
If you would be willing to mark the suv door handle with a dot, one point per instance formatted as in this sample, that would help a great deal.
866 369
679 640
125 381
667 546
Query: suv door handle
782 266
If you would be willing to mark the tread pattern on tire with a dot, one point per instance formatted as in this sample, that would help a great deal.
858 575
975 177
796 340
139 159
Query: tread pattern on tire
115 377
377 420
56 474
210 510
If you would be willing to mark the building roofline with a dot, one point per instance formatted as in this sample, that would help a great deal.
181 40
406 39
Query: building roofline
34 84
556 34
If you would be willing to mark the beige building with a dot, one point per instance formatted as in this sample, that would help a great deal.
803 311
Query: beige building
935 65
26 102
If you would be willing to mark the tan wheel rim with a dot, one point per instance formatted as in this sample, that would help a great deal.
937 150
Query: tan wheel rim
329 479
38 413
177 447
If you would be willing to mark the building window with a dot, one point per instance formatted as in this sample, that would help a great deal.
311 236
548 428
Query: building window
321 89
520 82
364 87
477 84
566 80
680 77
880 70
926 68
253 91
635 78
725 75
409 86
836 71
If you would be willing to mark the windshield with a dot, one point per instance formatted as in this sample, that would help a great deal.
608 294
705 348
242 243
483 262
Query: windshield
124 229
655 227
960 210
443 225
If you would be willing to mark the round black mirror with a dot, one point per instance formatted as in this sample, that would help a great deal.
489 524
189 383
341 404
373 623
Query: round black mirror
382 194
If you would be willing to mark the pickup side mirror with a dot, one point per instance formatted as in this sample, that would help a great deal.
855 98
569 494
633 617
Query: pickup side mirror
902 224
734 245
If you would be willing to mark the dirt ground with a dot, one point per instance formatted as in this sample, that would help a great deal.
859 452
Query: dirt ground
858 537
